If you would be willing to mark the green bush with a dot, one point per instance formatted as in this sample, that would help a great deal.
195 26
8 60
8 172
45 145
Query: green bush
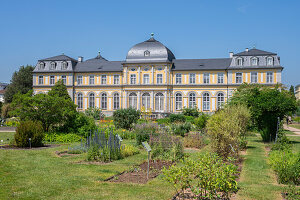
125 134
177 118
12 122
125 118
143 132
181 128
62 138
189 119
200 122
282 143
95 113
190 112
29 129
208 177
83 125
286 165
291 192
129 150
163 120
193 141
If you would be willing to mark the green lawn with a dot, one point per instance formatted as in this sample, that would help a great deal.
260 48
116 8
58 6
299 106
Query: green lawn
6 137
40 174
295 125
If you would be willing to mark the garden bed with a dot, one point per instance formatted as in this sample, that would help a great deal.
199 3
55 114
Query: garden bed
139 173
65 154
27 148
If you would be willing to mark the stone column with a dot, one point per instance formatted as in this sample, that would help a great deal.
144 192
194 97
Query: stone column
139 100
165 102
152 101
166 74
125 76
152 71
139 75
125 99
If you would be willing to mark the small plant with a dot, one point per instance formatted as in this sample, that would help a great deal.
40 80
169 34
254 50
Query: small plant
200 122
32 130
291 192
190 112
95 113
177 118
62 138
143 132
129 150
181 128
194 141
125 118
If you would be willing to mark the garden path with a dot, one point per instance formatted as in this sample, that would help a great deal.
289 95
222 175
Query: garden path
294 130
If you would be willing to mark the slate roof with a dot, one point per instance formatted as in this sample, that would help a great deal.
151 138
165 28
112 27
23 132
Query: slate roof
59 58
255 52
201 64
99 64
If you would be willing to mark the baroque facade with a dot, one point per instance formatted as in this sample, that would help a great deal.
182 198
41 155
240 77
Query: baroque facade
151 78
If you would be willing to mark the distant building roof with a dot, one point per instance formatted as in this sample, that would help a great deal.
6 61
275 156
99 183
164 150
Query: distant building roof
254 52
59 58
201 64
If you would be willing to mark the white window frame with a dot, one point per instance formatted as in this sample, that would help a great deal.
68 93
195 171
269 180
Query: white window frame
91 100
52 80
206 78
116 79
254 63
103 101
178 101
220 99
52 65
64 65
132 79
91 80
159 102
239 61
41 80
272 61
192 100
103 79
270 77
116 99
159 78
132 100
80 101
254 79
178 78
41 65
64 79
146 101
146 78
206 101
239 77
220 78
79 80
192 78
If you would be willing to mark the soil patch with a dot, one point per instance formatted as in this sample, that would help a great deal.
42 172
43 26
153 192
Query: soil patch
65 154
27 148
139 173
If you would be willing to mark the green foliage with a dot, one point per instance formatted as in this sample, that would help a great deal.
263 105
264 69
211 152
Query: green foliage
5 110
286 165
12 122
226 127
297 119
29 129
266 105
189 119
125 118
82 125
143 132
165 120
292 91
291 192
95 113
62 138
21 82
129 150
282 143
60 90
125 134
177 118
194 141
200 122
207 177
181 128
190 112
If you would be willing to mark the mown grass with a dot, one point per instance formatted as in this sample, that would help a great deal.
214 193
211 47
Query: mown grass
6 137
295 125
41 174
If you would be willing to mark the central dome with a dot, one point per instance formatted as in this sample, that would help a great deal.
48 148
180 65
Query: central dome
149 51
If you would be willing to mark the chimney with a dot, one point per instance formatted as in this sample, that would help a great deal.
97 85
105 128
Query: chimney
80 59
230 54
247 49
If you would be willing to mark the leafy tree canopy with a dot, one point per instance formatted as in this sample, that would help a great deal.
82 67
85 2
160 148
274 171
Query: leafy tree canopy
21 82
60 90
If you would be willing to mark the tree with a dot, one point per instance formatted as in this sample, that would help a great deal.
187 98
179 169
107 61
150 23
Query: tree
266 105
125 117
59 89
292 91
21 82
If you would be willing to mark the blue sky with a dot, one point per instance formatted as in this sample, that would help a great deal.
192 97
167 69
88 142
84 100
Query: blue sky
32 30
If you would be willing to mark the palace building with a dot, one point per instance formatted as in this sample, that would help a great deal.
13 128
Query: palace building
151 78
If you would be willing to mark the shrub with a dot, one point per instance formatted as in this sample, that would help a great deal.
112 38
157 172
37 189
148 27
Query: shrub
163 120
95 113
62 138
177 118
181 128
29 129
189 119
193 141
12 122
208 177
143 132
83 125
190 112
291 192
282 143
286 165
226 127
125 134
200 122
129 150
124 118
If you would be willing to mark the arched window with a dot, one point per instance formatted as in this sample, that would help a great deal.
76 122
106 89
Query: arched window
92 100
64 65
178 101
116 101
104 101
270 61
146 101
254 61
192 100
206 102
159 102
133 100
220 100
42 65
239 61
80 100
52 65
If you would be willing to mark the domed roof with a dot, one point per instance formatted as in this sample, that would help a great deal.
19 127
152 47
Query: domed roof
149 51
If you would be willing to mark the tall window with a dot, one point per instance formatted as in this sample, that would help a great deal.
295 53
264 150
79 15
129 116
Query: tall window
41 80
253 77
133 100
238 77
116 79
254 61
269 61
220 100
79 80
41 65
206 102
116 101
91 100
91 79
146 78
146 101
159 102
80 100
192 78
206 78
178 101
159 78
178 78
104 101
52 80
64 79
52 65
220 77
64 65
132 79
239 61
269 77
103 79
192 100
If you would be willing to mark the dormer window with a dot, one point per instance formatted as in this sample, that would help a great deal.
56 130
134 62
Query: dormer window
146 53
41 65
254 61
52 65
270 61
64 65
239 61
